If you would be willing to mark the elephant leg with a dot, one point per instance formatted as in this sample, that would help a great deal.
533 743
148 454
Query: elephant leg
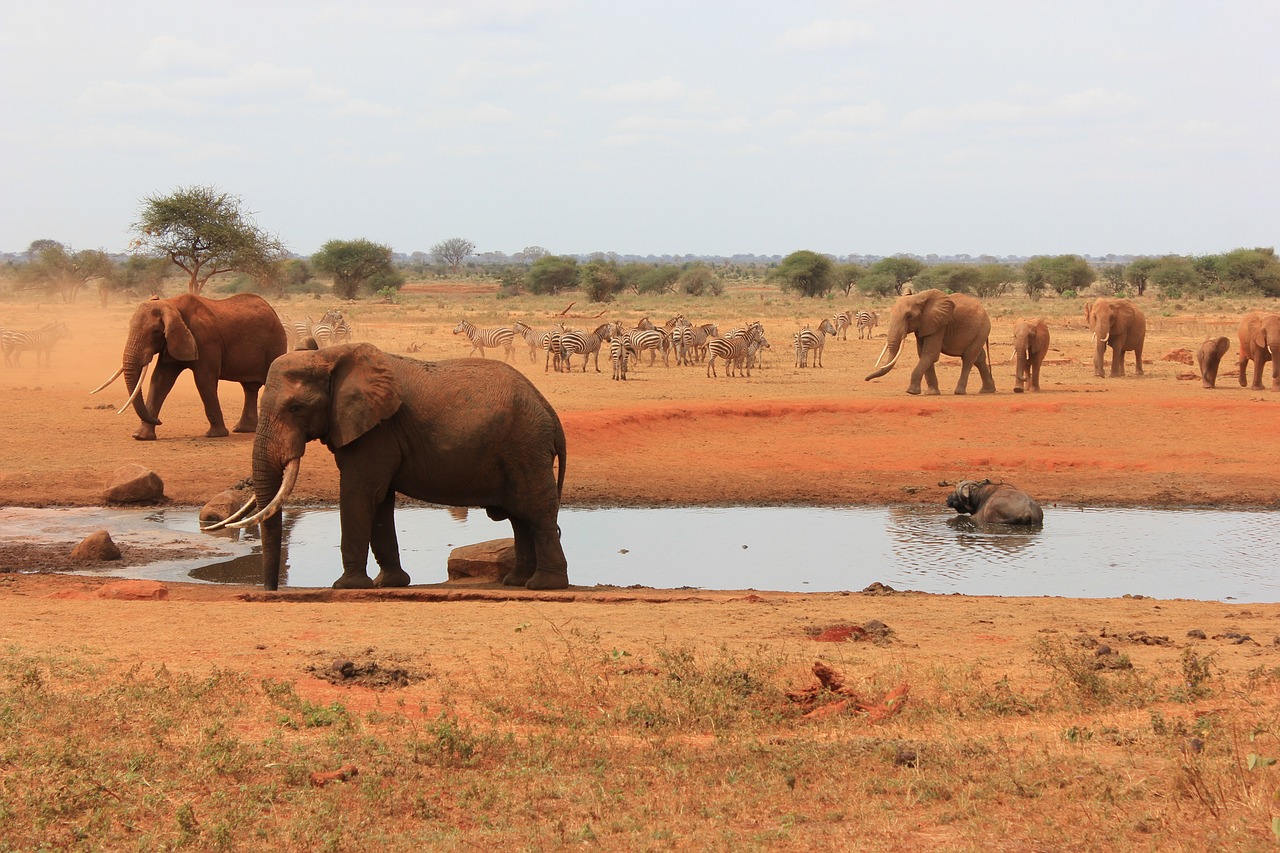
1257 373
1099 357
923 370
1035 375
207 385
249 416
357 508
984 372
162 379
1137 360
526 555
386 548
1117 357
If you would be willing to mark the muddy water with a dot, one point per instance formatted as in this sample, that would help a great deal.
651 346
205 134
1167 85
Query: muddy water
1199 554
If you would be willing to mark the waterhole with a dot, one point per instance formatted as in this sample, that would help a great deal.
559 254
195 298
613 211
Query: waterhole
1090 553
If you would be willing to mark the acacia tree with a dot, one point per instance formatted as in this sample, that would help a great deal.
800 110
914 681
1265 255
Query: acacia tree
352 263
900 269
805 272
453 251
206 232
551 274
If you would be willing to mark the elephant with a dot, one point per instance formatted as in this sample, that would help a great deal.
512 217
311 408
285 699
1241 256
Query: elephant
995 503
1119 324
1031 344
233 339
1208 357
1259 335
951 324
461 432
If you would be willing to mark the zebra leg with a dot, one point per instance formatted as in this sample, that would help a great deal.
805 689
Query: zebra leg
386 548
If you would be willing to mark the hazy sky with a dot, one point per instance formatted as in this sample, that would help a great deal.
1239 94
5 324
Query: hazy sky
654 127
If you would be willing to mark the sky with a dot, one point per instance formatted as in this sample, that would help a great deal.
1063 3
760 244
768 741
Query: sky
707 128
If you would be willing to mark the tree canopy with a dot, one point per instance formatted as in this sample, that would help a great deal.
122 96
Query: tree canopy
806 273
352 263
551 274
453 252
206 232
1060 272
64 272
900 269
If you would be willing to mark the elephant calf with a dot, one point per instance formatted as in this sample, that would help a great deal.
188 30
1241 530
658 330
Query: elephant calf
995 503
1209 356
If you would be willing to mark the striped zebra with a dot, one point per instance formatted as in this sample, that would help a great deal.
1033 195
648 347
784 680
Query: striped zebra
842 322
755 352
41 341
499 336
331 329
653 340
536 340
618 352
585 344
812 341
733 348
866 320
551 343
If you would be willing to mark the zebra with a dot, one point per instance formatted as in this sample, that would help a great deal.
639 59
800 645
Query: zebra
812 341
586 344
618 352
331 329
842 322
755 352
733 349
41 340
500 336
535 339
866 320
653 340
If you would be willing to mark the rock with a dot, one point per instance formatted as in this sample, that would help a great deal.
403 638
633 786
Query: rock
134 591
134 483
96 546
221 506
1182 356
485 561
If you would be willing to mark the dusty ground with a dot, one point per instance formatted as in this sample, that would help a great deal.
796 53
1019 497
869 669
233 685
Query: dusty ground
667 436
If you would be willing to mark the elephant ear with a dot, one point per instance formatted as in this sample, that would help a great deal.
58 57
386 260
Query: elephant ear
178 340
363 392
936 315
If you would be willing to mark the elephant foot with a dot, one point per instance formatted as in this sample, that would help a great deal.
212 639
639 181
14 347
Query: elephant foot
395 577
516 577
245 428
1017 389
216 432
914 392
986 390
354 581
145 433
934 392
548 580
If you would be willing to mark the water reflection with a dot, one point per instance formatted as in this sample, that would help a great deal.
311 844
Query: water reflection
1087 553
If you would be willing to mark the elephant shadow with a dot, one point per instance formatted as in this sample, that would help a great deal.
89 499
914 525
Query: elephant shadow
247 569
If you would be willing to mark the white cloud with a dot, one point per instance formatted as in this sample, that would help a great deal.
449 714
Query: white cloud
360 108
170 53
487 113
649 124
319 93
115 98
121 137
654 91
253 78
860 115
1090 104
825 35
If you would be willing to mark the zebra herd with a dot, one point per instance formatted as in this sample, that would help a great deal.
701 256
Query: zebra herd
41 341
689 343
332 328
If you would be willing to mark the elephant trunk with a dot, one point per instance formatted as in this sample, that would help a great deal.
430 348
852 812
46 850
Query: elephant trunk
893 346
136 358
277 459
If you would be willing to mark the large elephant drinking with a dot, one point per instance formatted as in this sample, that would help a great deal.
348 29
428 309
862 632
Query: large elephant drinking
1121 325
1259 335
233 339
944 324
466 432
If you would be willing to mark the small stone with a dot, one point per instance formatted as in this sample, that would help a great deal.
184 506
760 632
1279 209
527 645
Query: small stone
1196 634
96 546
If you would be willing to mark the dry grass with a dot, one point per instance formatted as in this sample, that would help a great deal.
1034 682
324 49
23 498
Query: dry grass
648 748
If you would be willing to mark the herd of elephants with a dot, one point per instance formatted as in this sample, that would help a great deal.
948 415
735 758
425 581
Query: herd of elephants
477 433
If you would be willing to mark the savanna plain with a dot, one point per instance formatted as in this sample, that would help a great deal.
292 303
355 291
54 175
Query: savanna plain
451 716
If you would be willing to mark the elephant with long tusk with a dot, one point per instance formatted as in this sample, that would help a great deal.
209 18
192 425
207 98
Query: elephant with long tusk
465 432
1259 335
233 340
1121 325
944 324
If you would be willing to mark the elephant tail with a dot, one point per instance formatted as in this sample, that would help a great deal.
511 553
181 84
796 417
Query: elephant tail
560 452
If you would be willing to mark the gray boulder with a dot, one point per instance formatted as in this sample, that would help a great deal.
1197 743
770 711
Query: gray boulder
483 562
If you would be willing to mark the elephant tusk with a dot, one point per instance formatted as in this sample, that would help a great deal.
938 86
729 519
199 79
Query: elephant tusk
218 525
286 487
894 360
883 350
137 389
113 378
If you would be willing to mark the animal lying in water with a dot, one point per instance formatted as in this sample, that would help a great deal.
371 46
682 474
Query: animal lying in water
995 503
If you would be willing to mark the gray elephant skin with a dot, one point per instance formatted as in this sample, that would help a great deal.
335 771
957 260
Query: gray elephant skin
1259 335
1030 345
995 503
1209 357
464 432
944 324
1121 325
231 340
